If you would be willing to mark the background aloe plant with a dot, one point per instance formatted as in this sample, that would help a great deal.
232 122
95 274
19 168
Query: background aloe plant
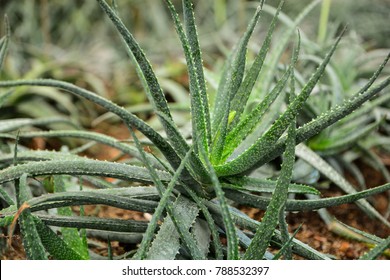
190 182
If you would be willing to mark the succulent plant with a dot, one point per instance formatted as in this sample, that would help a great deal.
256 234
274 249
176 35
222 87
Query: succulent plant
188 184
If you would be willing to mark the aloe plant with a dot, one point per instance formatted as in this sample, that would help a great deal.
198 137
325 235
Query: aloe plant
341 145
188 182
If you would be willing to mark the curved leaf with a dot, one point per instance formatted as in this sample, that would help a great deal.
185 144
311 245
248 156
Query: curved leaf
15 124
377 250
260 241
31 240
320 123
251 156
321 165
303 205
229 84
94 223
240 99
54 244
81 167
199 99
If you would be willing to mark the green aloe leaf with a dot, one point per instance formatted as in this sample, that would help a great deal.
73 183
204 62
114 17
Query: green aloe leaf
334 145
166 245
251 156
227 221
321 165
243 221
70 236
339 228
182 106
31 240
106 224
320 123
271 63
368 107
283 226
260 241
367 237
81 167
148 236
56 200
304 205
347 108
199 99
377 250
93 136
286 245
189 20
133 198
155 93
56 247
228 87
226 215
127 117
174 216
7 198
264 185
240 99
249 123
158 97
317 125
6 220
198 172
139 192
210 221
202 235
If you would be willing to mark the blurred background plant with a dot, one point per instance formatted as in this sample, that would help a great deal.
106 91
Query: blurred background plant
43 46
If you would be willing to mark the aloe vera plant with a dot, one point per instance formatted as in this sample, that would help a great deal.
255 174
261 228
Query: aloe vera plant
341 145
188 182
